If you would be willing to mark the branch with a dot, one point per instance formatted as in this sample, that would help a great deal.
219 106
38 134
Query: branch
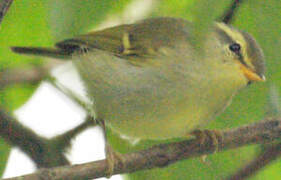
162 155
20 75
227 17
4 7
36 147
269 155
44 152
26 75
270 152
15 133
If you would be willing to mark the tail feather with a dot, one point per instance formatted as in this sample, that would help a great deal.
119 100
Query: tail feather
47 52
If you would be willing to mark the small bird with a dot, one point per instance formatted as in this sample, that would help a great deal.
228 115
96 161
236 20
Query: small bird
147 80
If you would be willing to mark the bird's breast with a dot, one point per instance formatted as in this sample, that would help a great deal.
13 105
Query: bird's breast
151 103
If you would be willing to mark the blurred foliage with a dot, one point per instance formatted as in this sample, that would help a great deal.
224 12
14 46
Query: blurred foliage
4 153
79 15
24 24
273 108
42 23
201 12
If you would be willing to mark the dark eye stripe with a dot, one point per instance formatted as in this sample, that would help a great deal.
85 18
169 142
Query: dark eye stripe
235 48
241 59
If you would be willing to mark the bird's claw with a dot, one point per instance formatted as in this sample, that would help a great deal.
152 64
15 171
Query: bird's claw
212 136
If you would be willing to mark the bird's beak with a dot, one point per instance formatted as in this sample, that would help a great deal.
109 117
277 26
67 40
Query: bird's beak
251 75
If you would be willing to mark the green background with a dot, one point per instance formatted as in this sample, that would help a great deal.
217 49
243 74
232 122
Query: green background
42 23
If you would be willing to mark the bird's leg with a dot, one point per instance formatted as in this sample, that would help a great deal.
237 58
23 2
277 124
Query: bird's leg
212 136
112 157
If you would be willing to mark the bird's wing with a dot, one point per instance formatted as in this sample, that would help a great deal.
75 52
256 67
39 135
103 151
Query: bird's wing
133 41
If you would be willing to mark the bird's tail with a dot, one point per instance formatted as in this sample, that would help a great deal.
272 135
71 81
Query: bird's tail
47 52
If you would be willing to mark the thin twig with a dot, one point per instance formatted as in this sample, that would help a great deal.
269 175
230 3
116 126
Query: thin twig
228 16
162 155
268 156
21 75
4 7
63 141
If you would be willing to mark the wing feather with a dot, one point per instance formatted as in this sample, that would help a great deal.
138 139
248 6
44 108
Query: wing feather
138 40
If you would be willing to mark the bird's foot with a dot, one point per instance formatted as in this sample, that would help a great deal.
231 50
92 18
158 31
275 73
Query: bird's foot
113 158
214 137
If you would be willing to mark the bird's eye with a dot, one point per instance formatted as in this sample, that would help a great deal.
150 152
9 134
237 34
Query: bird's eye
235 47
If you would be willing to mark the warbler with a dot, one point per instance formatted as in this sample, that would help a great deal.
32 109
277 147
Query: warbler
147 80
